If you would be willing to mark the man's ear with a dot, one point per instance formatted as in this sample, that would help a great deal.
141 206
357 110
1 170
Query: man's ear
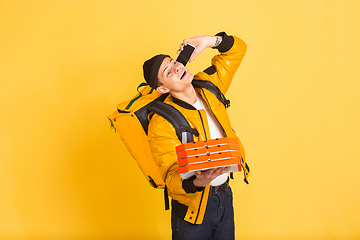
162 89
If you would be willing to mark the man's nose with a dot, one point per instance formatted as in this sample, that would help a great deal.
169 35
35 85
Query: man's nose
177 68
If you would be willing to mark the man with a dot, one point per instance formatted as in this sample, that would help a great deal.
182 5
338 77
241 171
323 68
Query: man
202 204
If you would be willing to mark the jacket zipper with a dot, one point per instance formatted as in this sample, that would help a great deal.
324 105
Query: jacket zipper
207 102
197 215
202 122
202 195
139 96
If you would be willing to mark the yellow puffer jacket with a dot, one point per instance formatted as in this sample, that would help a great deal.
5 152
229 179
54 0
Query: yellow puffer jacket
189 202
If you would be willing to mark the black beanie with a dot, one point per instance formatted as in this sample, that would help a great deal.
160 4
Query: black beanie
151 69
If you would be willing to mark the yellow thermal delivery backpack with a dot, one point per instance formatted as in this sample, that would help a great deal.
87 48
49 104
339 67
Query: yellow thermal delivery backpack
134 135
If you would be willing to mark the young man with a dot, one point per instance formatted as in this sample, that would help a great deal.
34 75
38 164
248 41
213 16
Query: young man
202 205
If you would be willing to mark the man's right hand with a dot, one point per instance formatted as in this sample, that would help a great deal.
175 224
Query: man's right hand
203 178
201 43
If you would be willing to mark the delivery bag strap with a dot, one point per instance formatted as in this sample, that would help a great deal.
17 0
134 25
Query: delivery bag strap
182 128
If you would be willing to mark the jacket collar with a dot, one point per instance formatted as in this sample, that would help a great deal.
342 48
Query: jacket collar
183 104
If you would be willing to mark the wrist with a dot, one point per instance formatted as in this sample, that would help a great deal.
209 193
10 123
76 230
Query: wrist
197 183
213 41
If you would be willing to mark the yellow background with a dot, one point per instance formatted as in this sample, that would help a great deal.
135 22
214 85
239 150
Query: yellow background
65 65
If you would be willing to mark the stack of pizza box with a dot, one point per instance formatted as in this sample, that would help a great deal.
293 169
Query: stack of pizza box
202 155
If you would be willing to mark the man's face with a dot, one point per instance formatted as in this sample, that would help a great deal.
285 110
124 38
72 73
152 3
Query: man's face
173 75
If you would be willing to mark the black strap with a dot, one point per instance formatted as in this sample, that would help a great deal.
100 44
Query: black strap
179 122
213 89
176 118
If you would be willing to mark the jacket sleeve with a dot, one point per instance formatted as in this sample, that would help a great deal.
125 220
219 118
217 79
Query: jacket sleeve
224 65
163 140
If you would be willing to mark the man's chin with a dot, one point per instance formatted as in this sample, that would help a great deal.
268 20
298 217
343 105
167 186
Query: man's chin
188 77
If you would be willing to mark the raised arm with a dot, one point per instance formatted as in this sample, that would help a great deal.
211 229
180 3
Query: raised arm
224 65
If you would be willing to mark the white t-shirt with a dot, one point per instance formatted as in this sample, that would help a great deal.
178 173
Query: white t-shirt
215 132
